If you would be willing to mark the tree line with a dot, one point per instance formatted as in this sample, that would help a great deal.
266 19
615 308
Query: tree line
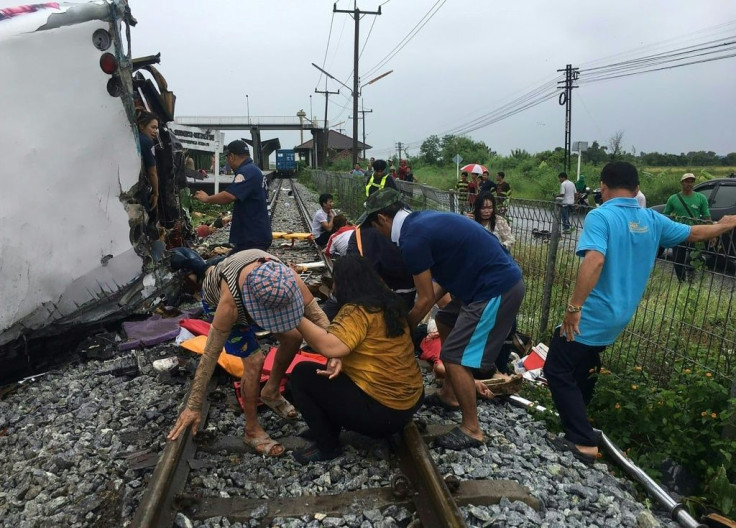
439 151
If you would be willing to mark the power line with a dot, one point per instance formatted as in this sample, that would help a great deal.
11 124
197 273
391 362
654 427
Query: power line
412 33
324 61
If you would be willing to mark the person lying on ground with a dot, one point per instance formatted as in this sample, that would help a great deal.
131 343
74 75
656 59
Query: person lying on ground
247 291
372 383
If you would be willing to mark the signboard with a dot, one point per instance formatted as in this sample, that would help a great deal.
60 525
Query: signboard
580 146
194 138
457 159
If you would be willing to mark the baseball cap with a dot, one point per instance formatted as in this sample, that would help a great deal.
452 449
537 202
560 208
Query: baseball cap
238 147
182 258
377 201
272 297
688 176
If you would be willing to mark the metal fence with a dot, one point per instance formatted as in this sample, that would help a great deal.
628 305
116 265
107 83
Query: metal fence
676 326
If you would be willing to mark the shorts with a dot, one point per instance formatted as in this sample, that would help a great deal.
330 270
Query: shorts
242 341
479 329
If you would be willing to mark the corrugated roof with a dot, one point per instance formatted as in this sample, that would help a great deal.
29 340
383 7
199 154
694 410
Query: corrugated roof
336 141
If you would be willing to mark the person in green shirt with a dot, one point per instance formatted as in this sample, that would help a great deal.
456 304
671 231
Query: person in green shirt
687 207
580 185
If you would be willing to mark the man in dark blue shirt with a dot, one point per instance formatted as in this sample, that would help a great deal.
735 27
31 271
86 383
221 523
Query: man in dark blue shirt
449 253
251 225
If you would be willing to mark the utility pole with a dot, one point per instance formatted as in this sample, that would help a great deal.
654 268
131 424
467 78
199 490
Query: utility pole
327 100
399 147
356 14
363 112
571 75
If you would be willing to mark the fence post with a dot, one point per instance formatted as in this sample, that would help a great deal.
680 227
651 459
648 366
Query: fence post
452 201
549 274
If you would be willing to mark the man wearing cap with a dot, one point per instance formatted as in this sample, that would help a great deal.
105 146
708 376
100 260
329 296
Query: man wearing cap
687 207
379 179
248 291
618 247
485 297
251 225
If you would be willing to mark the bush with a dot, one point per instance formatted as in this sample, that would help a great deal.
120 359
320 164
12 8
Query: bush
683 423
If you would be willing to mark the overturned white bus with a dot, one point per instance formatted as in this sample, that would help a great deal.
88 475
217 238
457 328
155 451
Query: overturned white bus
76 246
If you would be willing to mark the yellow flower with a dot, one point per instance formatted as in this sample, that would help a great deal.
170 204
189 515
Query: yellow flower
634 387
708 375
660 403
704 414
686 371
617 406
637 369
713 415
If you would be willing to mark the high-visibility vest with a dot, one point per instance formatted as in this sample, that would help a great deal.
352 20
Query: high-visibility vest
372 183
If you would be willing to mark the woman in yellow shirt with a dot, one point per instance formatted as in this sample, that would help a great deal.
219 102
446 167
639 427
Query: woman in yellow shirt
372 383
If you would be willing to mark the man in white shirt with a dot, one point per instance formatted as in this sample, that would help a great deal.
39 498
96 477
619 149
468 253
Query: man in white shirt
322 221
567 193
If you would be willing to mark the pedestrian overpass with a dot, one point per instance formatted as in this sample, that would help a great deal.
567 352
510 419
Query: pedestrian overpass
262 149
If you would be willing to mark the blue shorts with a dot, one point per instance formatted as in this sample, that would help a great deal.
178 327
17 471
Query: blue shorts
242 341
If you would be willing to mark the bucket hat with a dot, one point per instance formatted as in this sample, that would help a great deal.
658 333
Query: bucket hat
272 297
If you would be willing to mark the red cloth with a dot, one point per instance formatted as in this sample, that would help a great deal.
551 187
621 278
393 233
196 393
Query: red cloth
195 326
430 347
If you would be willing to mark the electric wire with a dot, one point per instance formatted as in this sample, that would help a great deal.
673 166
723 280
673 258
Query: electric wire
327 49
412 33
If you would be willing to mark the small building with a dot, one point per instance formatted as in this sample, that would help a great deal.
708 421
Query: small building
339 146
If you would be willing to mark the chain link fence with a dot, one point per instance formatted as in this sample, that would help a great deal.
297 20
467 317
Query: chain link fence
677 325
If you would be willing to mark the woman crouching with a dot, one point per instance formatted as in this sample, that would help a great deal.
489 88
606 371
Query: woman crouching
372 383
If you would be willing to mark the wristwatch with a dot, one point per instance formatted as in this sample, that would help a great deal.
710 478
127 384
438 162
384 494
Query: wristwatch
571 308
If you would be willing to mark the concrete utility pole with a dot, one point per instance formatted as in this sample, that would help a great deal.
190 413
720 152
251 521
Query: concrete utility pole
327 100
356 14
363 112
399 148
571 75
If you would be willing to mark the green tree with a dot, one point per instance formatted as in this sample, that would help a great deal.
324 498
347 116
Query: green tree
595 154
431 150
470 150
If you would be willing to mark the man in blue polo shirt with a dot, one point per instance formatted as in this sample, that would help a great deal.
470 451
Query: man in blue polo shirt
251 226
447 252
618 244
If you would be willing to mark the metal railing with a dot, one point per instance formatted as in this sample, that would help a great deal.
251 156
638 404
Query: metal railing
677 325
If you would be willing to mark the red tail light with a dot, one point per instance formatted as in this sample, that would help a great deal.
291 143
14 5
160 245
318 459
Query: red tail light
108 63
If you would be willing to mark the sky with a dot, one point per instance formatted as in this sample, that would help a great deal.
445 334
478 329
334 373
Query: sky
470 58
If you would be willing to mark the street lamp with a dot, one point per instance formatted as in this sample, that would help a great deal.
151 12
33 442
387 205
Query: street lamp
301 114
247 104
355 94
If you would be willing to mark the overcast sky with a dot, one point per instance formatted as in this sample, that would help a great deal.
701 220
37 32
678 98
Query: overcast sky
471 57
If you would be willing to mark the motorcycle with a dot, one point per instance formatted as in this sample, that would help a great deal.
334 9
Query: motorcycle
581 201
597 197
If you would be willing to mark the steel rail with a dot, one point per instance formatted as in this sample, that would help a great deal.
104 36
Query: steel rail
307 219
432 498
169 477
676 509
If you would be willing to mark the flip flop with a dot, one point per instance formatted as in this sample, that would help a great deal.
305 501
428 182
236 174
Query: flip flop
457 440
563 444
434 400
281 407
263 445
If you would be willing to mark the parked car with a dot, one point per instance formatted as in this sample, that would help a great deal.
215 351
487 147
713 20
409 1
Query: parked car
721 195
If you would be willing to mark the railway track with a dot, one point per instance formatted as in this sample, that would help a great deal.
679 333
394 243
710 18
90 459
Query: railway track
415 483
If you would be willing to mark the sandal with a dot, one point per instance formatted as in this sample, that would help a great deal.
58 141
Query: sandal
434 400
282 407
264 445
457 440
563 444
